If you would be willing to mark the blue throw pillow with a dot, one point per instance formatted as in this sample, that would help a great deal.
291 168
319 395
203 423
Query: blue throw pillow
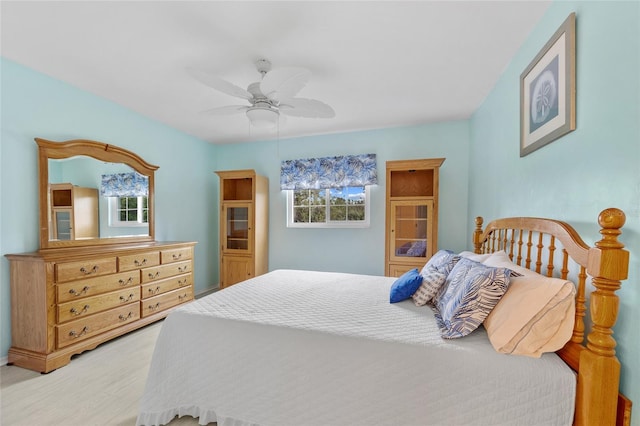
404 287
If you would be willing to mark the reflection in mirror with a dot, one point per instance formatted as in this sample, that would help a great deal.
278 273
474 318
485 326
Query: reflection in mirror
93 193
78 209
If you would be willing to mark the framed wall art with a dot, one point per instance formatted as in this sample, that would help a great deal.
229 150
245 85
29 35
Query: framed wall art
548 91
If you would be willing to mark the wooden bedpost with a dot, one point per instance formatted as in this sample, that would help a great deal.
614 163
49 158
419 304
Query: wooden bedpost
599 375
477 244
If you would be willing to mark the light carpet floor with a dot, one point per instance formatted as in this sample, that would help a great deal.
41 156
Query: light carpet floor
101 387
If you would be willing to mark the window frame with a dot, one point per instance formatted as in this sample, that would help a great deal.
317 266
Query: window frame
114 219
329 223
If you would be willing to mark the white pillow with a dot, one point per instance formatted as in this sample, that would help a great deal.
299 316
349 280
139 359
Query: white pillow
473 256
534 316
500 259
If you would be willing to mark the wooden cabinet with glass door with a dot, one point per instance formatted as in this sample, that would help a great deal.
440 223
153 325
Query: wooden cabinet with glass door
411 214
74 212
244 216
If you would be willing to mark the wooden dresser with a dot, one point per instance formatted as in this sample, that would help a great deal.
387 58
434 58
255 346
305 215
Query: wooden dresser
69 300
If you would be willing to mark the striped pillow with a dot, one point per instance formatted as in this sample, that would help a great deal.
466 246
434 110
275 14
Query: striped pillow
470 293
431 283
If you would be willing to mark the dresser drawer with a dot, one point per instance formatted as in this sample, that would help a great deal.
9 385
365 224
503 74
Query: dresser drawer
90 287
71 271
137 261
83 328
158 287
91 305
165 271
166 300
175 255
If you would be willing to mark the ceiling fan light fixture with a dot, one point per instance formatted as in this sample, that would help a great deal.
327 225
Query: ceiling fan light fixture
263 117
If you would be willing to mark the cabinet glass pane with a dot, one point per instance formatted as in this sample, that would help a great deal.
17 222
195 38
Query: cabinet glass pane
63 225
410 231
238 228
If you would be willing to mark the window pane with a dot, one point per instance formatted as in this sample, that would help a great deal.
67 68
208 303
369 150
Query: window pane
356 213
301 197
338 212
318 214
355 195
317 197
338 196
300 214
132 202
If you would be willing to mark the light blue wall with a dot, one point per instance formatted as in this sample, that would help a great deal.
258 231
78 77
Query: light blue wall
594 167
357 250
34 105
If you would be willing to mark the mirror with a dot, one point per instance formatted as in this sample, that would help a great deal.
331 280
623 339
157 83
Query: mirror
93 193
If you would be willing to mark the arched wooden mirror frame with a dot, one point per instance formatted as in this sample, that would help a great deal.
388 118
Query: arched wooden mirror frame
48 150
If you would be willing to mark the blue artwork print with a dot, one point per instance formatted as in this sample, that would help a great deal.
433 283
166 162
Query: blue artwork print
544 96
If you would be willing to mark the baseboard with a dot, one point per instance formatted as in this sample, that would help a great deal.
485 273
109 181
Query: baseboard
3 360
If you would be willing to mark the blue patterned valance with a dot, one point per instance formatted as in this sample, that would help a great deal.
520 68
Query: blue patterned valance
329 172
124 185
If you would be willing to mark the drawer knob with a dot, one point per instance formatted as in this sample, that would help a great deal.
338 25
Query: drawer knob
153 276
181 283
127 282
75 334
89 271
74 311
184 268
177 256
139 263
78 293
154 290
183 297
126 299
123 318
154 307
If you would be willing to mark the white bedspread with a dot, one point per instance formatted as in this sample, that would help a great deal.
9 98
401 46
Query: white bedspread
310 348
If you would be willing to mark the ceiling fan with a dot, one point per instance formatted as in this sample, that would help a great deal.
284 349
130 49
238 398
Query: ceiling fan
273 95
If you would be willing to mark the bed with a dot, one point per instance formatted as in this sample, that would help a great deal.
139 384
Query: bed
324 348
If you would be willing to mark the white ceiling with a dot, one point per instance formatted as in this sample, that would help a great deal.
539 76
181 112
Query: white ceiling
378 64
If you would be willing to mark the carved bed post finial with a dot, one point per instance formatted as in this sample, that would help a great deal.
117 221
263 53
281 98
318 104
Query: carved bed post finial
477 244
608 264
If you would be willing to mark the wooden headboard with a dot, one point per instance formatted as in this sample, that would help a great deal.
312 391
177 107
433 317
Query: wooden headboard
553 248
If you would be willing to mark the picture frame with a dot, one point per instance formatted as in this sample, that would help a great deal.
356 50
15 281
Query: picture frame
548 91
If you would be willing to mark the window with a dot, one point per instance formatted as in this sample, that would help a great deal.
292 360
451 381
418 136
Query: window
328 208
128 211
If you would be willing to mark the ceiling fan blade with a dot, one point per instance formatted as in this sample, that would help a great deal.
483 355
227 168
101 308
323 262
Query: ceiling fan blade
226 110
310 108
219 84
284 83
